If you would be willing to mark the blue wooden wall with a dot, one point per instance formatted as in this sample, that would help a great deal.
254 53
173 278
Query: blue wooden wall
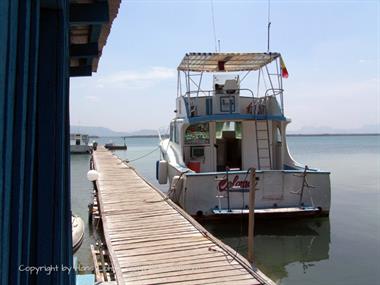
35 214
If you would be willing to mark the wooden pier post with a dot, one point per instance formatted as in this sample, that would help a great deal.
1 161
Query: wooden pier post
251 215
101 254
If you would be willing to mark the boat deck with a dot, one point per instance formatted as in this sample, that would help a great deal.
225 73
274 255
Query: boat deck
153 241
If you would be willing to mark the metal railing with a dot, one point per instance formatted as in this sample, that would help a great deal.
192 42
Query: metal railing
209 93
256 106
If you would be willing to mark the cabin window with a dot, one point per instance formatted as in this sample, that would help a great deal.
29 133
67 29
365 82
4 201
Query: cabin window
278 135
176 132
197 134
171 135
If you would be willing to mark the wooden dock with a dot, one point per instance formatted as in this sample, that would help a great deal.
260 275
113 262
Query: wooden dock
152 241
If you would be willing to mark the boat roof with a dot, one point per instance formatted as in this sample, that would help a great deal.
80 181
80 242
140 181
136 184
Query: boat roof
225 62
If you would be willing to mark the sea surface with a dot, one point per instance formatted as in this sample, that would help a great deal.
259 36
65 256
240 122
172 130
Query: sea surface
341 249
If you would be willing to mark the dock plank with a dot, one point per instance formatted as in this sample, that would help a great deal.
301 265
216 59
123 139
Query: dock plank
153 241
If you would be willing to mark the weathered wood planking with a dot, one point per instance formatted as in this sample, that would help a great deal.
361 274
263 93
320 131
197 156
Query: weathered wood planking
153 241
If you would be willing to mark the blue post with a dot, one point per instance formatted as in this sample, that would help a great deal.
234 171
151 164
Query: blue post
35 214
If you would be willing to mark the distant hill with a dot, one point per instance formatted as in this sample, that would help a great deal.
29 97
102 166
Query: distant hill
307 130
106 132
366 129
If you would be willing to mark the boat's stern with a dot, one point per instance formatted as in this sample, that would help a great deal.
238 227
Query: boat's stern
284 193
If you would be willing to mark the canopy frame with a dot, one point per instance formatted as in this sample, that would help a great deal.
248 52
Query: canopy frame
196 65
225 62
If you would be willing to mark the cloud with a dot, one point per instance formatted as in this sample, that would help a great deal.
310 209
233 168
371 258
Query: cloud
364 60
91 98
138 78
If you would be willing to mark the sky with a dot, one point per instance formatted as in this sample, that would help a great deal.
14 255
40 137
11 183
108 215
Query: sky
331 50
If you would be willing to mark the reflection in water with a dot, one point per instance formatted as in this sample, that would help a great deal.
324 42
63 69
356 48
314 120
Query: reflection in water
278 243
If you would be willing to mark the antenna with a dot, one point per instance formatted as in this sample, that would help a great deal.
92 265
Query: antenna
269 25
213 25
219 44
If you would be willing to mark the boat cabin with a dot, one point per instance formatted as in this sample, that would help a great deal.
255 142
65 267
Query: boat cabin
220 122
79 143
79 139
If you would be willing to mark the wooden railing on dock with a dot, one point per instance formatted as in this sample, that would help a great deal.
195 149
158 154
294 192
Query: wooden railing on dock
152 241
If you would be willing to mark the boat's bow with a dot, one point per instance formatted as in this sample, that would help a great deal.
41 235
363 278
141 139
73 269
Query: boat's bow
77 231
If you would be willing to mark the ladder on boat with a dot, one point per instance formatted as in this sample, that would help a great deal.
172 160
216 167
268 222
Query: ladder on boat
264 156
264 160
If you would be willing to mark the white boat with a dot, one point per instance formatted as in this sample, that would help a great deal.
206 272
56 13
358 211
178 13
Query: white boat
77 225
79 143
230 118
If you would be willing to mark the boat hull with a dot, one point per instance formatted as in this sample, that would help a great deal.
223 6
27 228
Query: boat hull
115 147
80 149
278 193
77 232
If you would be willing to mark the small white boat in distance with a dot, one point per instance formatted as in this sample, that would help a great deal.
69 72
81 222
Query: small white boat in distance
77 225
230 118
79 143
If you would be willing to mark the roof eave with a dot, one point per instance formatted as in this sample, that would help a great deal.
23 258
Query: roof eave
90 26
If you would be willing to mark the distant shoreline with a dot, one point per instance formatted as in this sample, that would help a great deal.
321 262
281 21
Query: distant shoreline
288 135
332 135
134 136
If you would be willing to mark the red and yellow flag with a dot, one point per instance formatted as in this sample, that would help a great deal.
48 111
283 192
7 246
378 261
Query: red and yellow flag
284 71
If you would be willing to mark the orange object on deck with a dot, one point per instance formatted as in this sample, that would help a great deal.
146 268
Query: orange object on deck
195 166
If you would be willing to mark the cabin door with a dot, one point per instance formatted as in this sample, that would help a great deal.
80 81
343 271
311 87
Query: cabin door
228 145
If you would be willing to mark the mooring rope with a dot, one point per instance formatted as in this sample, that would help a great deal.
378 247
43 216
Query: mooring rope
145 155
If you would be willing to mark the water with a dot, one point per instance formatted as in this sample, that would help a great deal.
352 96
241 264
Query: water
81 196
341 249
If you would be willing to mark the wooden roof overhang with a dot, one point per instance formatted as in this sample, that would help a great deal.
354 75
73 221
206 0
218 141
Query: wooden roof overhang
90 25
